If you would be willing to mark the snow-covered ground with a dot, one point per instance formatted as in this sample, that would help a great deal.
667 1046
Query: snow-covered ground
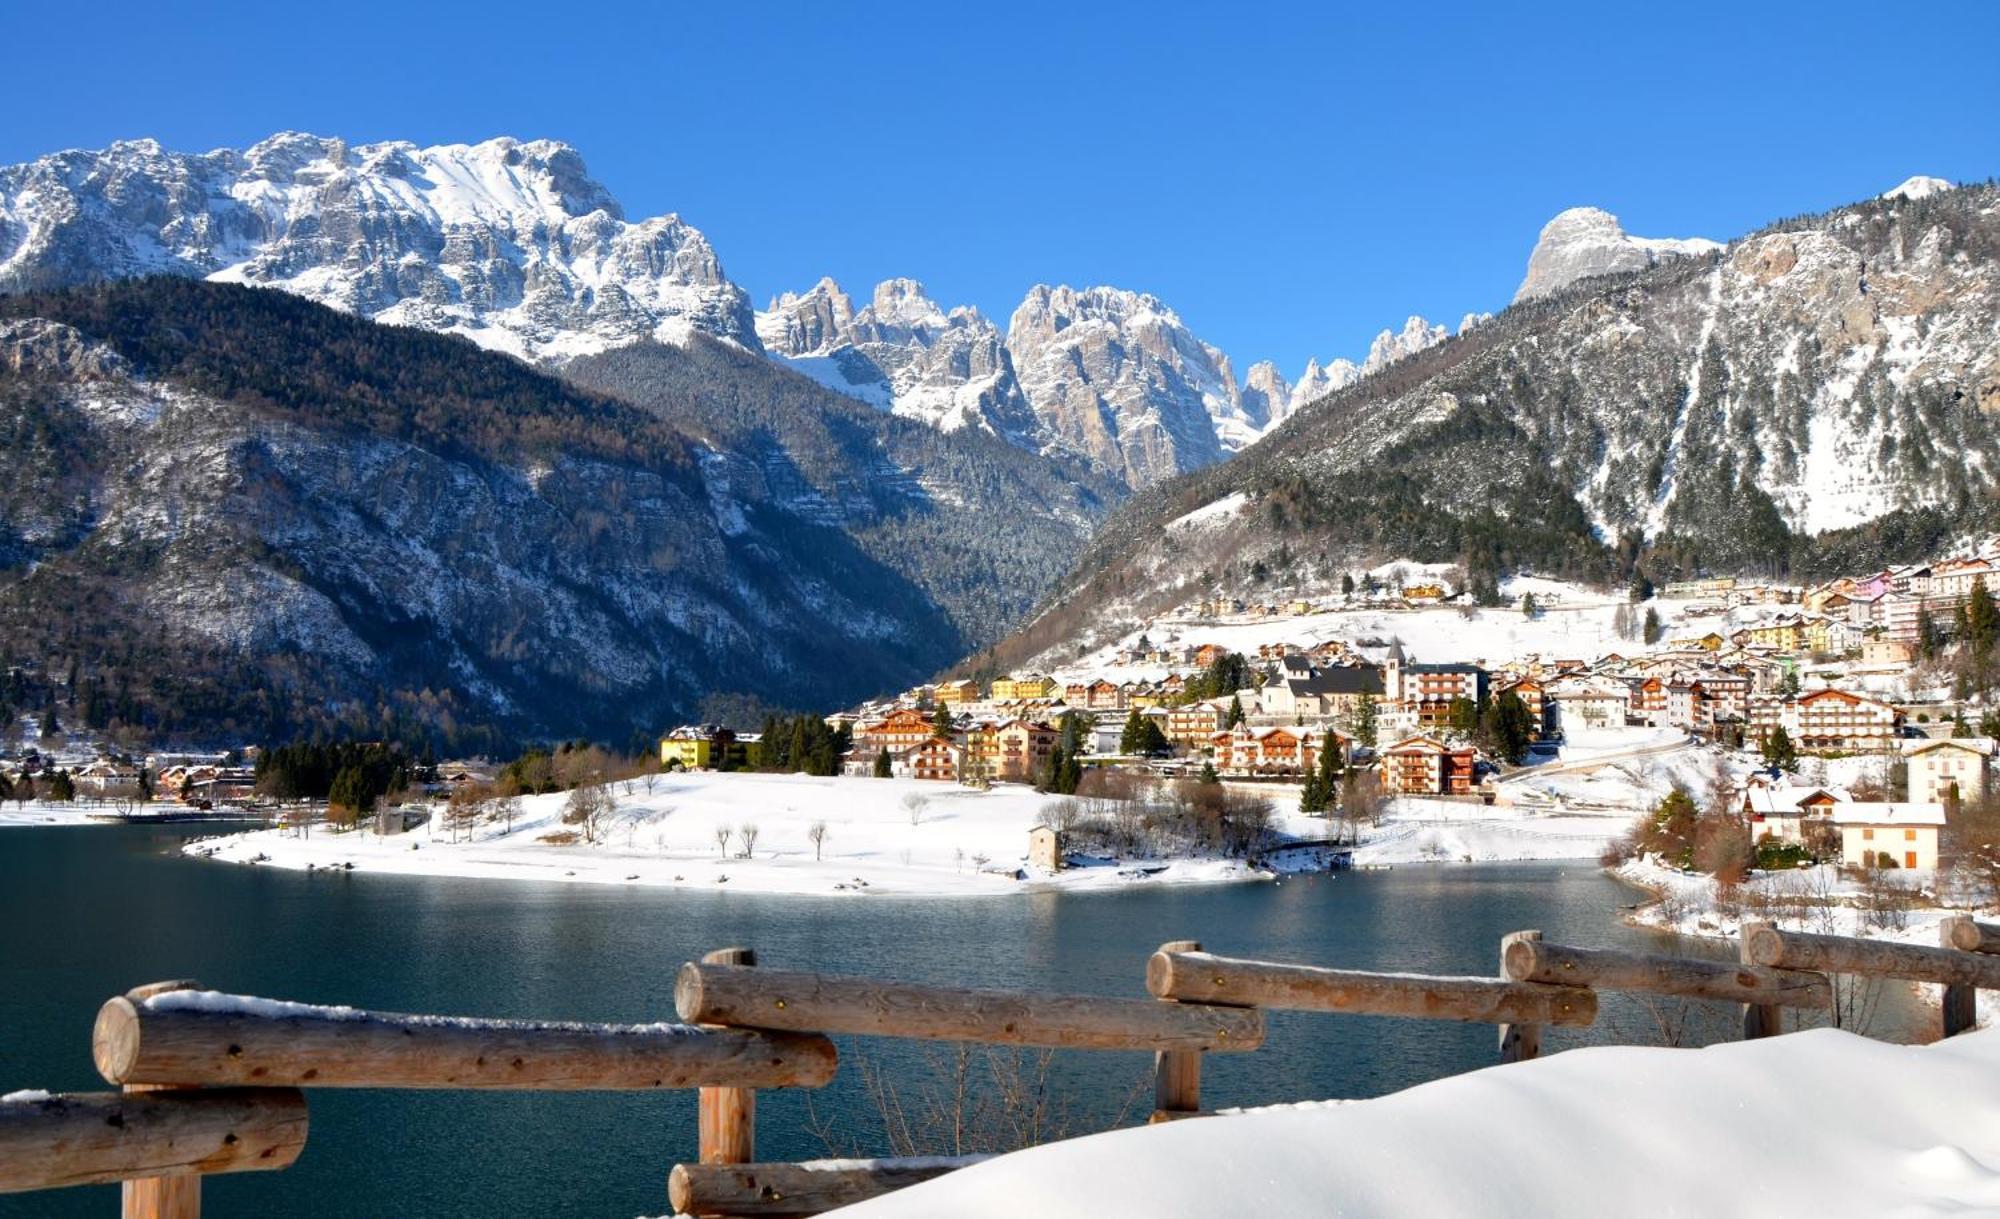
964 842
38 812
961 842
1821 1123
1572 622
1569 807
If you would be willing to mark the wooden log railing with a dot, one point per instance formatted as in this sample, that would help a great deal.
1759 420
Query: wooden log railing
1764 944
791 1191
96 1138
1687 977
211 1080
187 1038
792 1000
1199 977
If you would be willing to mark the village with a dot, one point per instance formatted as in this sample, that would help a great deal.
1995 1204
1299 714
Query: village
1564 719
1847 673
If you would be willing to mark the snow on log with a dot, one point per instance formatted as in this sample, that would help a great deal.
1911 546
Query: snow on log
200 1037
93 1138
787 999
812 1188
1199 977
1766 945
1608 969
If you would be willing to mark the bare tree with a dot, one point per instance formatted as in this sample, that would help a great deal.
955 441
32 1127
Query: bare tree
508 807
722 836
748 833
915 805
589 806
816 832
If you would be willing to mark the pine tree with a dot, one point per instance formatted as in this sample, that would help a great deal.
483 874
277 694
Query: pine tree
1528 608
62 789
1364 720
1982 629
1779 750
1130 741
942 721
882 765
1208 775
1312 795
1652 630
1235 716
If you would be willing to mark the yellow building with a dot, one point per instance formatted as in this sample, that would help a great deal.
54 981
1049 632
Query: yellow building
698 746
1785 634
1023 689
953 693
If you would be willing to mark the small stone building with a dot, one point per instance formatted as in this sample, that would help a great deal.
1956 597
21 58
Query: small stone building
1045 848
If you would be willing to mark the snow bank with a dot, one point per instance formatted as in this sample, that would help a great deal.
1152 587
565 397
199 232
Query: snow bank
1820 1123
959 842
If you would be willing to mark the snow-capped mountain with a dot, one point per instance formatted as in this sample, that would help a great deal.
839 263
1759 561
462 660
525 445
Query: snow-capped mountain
904 353
1821 396
1118 377
507 242
1586 241
1921 186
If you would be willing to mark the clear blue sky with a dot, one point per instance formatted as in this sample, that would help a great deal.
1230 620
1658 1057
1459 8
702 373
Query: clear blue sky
1290 180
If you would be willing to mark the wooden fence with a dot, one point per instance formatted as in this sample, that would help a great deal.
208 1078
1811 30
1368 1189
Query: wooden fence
216 1084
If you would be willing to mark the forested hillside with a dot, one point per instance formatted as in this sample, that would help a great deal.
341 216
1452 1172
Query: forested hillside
235 514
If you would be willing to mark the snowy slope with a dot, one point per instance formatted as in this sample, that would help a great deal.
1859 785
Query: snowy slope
1823 1124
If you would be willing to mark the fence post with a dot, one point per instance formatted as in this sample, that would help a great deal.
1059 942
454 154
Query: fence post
1177 1073
1518 1042
159 1197
728 1116
1759 1019
1960 1009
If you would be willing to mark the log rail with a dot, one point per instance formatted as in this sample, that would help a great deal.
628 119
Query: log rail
212 1083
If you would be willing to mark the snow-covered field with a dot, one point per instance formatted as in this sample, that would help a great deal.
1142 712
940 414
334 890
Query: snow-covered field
37 812
1821 1123
1572 622
960 842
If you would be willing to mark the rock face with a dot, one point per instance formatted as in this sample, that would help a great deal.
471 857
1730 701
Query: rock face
1117 377
470 543
1586 241
509 243
904 353
1819 399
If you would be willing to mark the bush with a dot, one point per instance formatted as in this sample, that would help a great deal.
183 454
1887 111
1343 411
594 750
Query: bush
1774 855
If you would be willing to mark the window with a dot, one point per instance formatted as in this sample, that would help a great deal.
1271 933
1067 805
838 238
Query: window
1867 834
1909 835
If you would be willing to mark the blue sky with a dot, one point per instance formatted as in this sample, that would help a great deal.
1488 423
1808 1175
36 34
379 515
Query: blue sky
1290 179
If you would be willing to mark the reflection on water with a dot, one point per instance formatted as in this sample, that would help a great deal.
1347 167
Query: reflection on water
93 911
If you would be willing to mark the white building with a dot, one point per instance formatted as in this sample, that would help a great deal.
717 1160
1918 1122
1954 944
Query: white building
1905 833
1943 771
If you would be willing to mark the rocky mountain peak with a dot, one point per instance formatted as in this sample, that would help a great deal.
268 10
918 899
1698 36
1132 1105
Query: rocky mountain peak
1585 241
508 242
1921 186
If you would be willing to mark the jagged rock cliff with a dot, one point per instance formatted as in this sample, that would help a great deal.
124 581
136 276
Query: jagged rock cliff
1823 393
507 242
